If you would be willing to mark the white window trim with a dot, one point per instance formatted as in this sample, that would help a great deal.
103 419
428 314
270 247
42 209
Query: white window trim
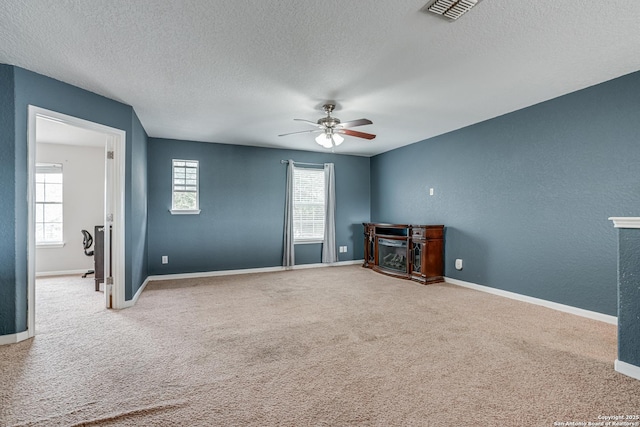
50 245
185 211
51 168
307 241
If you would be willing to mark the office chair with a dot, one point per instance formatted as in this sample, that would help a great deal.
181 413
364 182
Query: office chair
87 241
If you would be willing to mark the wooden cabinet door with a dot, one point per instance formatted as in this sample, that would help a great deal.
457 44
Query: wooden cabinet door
432 261
369 245
417 258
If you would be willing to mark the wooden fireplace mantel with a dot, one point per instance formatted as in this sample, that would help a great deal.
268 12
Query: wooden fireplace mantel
408 251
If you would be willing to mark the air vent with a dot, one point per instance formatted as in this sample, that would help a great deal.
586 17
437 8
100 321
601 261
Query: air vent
450 9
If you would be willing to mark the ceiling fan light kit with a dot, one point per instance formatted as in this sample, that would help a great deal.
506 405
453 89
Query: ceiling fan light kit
329 140
331 128
451 9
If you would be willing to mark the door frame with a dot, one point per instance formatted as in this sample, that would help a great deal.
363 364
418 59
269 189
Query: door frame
114 205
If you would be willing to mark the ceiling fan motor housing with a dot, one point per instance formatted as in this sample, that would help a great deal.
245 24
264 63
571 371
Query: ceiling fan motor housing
329 122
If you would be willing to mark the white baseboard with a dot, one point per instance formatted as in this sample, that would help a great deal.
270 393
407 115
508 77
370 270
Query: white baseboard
134 300
61 273
627 369
247 271
14 338
549 304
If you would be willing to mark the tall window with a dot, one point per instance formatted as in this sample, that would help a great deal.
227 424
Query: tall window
185 194
308 205
48 203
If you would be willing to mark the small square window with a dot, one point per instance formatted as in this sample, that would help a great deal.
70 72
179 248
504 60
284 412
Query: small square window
185 187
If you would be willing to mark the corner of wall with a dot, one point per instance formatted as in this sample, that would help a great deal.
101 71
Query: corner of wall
139 199
9 287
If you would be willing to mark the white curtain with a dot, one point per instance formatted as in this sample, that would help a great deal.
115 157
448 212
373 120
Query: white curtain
329 243
288 257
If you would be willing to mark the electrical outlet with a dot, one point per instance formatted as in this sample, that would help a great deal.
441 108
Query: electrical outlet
458 264
431 191
165 259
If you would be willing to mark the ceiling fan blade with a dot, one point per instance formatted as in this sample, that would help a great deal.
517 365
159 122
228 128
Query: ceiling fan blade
354 123
302 131
355 133
310 122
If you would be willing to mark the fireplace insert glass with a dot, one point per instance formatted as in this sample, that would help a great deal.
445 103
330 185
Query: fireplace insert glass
392 254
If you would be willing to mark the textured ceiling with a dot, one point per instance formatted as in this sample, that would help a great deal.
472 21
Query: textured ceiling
54 132
239 71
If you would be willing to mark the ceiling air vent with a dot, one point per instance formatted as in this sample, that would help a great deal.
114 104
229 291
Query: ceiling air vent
451 9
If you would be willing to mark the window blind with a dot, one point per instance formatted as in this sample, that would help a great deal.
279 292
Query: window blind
49 208
185 185
308 204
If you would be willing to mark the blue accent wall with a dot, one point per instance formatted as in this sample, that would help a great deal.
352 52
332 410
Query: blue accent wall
629 297
242 192
525 197
136 211
29 88
10 319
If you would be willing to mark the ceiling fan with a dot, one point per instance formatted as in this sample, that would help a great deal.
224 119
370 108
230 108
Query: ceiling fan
331 128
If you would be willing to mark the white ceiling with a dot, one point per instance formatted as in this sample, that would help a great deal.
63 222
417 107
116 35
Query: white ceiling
55 132
239 71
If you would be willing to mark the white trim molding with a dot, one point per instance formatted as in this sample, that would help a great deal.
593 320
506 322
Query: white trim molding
244 271
537 301
184 212
134 300
115 171
14 338
50 245
625 222
61 273
627 369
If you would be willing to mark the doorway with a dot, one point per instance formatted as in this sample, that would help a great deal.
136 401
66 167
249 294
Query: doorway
112 142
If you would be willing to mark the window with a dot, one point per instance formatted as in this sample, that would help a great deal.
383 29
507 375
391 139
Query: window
185 194
48 204
308 205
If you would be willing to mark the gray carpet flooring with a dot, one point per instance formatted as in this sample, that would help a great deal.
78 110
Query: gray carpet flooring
340 346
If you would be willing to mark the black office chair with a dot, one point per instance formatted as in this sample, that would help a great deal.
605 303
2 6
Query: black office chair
87 241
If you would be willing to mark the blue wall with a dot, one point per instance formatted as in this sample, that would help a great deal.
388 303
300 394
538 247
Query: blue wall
629 297
136 210
242 191
9 317
34 89
526 196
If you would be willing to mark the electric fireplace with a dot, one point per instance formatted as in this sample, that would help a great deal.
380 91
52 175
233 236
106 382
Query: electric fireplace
392 255
407 251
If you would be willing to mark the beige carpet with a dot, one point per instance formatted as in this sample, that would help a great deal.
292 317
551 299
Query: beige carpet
321 347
